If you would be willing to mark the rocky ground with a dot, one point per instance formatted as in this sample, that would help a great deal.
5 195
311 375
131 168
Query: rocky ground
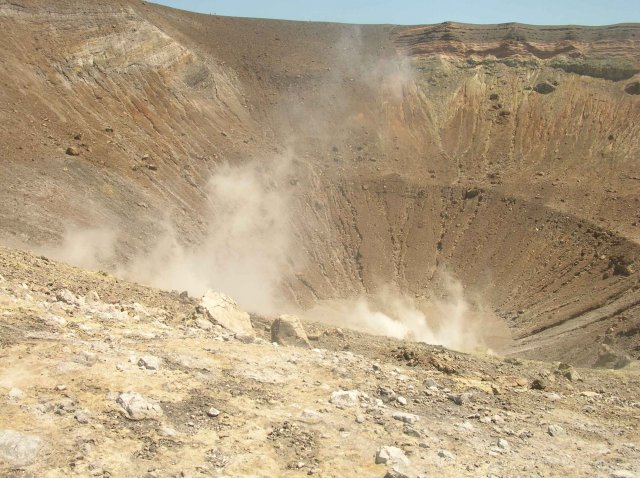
100 377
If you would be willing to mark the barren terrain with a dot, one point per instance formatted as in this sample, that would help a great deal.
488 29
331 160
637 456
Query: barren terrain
471 186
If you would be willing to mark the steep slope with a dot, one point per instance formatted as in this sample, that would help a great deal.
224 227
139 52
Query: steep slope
505 155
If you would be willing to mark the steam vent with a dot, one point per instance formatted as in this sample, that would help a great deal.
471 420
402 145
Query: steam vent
235 247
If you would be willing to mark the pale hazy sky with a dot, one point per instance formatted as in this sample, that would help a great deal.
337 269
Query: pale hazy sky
539 12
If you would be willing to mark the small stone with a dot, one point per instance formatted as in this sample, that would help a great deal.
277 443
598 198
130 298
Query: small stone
360 418
431 383
345 398
310 416
497 419
213 412
72 151
446 454
466 426
590 394
544 88
391 455
460 399
503 444
412 432
86 358
401 400
555 430
405 417
82 417
572 375
539 384
149 362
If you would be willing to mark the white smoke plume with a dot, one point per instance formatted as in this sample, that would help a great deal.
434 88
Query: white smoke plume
449 320
244 252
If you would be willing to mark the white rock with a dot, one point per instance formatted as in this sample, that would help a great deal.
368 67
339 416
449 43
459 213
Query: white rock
137 407
590 394
82 417
18 449
213 412
503 444
401 400
223 310
149 362
86 358
391 455
16 394
555 430
203 323
398 471
623 474
288 330
66 296
310 416
431 384
467 426
446 454
345 398
405 417
412 432
92 297
54 320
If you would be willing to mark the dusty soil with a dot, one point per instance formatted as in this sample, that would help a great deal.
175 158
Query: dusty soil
66 360
502 157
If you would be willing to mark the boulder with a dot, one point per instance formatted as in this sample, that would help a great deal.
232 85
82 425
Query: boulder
288 330
223 310
18 449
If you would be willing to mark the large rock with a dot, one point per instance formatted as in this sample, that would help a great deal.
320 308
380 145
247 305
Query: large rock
288 330
18 449
137 407
223 310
